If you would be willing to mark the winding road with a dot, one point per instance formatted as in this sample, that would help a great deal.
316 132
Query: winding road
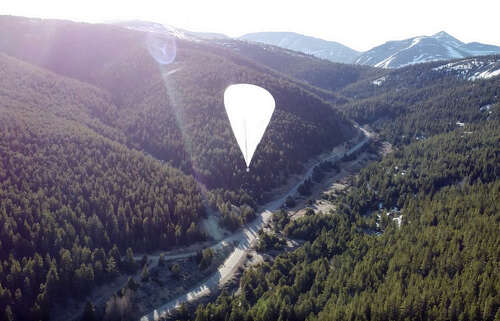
245 238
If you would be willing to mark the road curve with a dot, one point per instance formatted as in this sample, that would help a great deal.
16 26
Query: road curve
245 238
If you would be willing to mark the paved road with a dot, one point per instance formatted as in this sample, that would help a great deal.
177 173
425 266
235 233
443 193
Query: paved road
245 238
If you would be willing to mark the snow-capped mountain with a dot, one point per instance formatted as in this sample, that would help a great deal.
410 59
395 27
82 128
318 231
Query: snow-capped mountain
440 46
155 27
320 48
392 54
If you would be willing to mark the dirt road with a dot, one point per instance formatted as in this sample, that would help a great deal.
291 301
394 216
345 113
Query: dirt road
245 238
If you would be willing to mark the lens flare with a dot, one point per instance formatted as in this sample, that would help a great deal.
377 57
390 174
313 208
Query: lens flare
162 47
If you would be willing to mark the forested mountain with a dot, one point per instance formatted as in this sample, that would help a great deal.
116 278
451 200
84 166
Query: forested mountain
439 263
72 197
175 112
309 68
105 151
416 237
419 101
315 71
91 128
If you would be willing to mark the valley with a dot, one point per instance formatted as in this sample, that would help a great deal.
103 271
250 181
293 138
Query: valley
246 239
125 194
234 250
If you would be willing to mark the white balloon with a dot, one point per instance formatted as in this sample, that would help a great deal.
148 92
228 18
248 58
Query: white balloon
249 108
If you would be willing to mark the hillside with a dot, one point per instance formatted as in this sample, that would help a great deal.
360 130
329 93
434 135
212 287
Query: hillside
414 239
405 241
312 70
426 268
317 73
100 145
175 112
419 101
72 201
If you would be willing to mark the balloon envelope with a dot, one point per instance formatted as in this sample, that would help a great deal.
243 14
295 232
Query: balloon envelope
249 108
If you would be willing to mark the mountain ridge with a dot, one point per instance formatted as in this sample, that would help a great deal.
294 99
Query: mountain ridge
330 50
439 46
391 54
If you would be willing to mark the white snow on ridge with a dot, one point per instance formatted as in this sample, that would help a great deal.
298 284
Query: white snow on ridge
159 28
415 42
472 68
458 66
421 59
485 74
386 62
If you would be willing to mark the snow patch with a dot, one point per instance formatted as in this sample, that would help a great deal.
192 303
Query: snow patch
485 74
379 81
485 108
414 42
386 62
472 68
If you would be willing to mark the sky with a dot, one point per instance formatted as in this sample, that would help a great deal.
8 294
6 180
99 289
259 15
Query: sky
358 24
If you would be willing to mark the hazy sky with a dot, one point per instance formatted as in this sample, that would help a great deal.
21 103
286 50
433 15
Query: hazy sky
355 23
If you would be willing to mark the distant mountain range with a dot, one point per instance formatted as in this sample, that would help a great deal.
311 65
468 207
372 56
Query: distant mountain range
392 54
440 46
320 48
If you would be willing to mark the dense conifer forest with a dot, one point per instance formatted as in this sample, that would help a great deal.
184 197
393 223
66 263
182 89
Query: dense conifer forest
104 153
441 263
175 112
73 203
317 72
92 131
416 237
416 102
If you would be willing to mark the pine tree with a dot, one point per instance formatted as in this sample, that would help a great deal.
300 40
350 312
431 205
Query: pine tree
145 274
